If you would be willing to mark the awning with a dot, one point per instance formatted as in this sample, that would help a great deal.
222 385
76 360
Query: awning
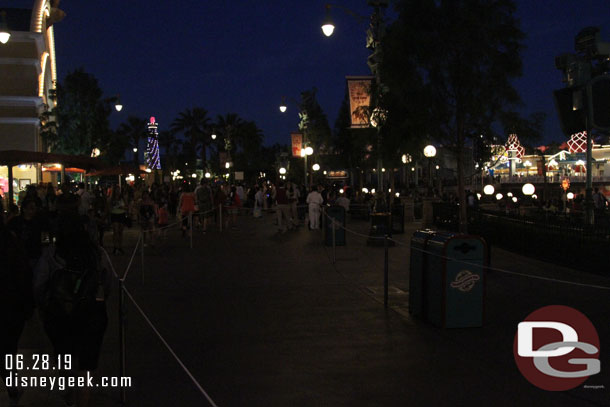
16 157
123 169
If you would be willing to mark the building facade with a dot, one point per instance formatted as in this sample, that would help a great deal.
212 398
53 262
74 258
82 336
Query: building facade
29 75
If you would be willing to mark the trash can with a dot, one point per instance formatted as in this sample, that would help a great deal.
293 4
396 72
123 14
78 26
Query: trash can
454 282
398 218
417 267
337 213
381 225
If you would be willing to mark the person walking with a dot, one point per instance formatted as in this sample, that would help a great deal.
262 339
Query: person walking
292 193
28 228
118 218
259 197
147 214
186 206
16 300
205 203
232 203
71 285
314 202
85 199
283 208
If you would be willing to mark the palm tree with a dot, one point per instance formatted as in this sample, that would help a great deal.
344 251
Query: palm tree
194 125
168 142
134 129
229 127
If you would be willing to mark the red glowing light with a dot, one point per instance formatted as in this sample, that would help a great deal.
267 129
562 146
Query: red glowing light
152 119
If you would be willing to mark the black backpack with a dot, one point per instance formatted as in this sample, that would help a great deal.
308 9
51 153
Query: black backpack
74 286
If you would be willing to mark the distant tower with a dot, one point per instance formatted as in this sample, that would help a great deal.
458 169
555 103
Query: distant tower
152 148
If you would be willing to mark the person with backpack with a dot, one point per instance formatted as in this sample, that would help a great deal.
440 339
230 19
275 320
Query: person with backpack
71 285
16 300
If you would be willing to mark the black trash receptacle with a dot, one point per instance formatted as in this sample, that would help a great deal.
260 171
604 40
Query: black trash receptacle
455 279
398 218
336 213
418 264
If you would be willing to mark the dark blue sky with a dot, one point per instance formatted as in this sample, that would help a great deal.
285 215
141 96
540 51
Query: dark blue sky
243 56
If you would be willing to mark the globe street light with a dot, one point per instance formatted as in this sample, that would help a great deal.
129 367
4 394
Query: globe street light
135 149
307 151
282 170
489 190
5 34
316 167
528 189
283 106
118 105
327 26
430 153
213 136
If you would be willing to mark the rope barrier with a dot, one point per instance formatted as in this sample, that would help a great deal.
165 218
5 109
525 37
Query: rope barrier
169 348
511 272
133 255
474 264
124 290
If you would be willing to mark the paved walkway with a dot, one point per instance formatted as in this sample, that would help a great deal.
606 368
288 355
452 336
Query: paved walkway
265 319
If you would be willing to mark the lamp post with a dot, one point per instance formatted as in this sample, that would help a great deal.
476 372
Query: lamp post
430 153
118 105
5 34
373 42
305 152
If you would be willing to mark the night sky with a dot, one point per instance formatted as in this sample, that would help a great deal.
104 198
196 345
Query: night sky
243 56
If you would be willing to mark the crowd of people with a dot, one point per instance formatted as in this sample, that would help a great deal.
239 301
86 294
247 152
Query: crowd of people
52 242
53 263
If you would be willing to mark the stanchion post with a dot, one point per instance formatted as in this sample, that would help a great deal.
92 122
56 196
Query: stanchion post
142 255
122 339
334 242
220 217
323 218
385 272
191 226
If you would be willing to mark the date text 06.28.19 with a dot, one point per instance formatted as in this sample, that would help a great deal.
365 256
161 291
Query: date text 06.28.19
38 362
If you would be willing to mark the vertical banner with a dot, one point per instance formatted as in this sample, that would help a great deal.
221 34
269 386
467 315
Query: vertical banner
297 144
359 89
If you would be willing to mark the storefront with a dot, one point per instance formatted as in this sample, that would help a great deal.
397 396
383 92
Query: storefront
18 169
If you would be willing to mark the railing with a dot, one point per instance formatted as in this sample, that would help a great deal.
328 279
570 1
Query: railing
552 237
551 179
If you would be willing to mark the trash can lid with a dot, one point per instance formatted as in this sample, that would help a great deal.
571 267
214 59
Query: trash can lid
466 247
441 237
421 236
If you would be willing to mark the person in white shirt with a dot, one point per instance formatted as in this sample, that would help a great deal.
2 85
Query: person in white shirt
85 199
314 201
343 201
